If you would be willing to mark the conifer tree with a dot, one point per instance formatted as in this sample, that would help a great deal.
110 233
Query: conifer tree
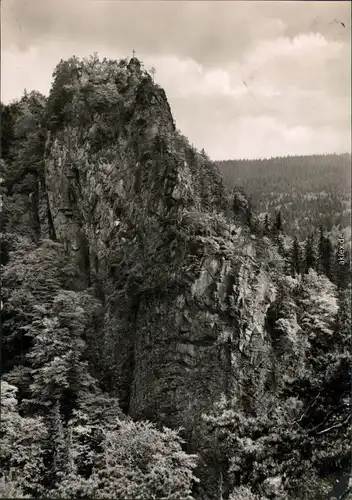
341 267
266 225
310 253
295 257
283 252
328 257
325 254
321 248
278 226
57 445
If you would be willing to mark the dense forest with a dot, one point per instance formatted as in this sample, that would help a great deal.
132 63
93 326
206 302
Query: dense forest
160 338
310 191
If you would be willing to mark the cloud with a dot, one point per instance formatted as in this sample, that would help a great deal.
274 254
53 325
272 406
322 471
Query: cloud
225 133
211 33
242 78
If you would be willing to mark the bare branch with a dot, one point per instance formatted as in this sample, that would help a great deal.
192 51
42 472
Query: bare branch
335 426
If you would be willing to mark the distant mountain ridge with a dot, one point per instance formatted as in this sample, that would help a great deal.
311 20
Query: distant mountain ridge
310 190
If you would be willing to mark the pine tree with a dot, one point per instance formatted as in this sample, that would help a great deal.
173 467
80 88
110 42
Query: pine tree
341 267
321 248
278 226
325 254
295 257
310 253
328 258
57 444
266 225
284 254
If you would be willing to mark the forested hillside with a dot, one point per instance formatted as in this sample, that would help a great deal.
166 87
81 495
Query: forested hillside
158 341
310 191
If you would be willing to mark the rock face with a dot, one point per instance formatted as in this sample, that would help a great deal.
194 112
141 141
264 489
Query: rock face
150 223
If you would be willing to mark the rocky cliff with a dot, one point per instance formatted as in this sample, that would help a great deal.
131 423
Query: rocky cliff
163 291
153 229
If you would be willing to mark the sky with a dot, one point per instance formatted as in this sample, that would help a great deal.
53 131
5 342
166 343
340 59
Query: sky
244 79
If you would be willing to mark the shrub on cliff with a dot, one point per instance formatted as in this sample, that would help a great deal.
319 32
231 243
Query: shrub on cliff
84 87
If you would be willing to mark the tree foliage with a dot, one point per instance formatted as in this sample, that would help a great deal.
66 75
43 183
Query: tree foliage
299 446
308 190
22 439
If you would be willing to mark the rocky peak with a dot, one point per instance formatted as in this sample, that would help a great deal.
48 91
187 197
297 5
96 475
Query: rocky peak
149 219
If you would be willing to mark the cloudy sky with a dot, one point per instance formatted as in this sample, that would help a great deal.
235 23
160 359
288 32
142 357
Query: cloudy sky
244 79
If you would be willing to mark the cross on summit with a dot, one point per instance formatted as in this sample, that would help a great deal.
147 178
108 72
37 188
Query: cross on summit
133 52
